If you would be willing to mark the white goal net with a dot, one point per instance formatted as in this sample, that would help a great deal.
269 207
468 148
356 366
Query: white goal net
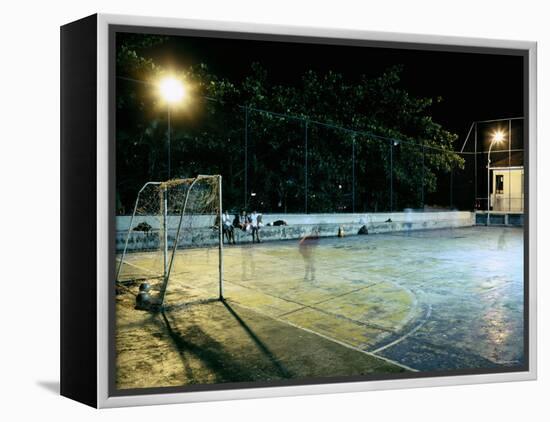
170 248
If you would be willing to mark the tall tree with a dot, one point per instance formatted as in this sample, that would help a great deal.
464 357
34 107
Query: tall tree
370 131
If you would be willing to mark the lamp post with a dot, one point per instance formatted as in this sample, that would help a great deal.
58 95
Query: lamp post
498 137
172 91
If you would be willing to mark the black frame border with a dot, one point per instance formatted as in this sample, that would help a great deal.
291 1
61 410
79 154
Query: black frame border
78 211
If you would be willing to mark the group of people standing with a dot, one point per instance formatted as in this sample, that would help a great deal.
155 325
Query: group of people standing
245 222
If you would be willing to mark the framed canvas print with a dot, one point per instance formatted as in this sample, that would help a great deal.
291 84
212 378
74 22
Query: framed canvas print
254 211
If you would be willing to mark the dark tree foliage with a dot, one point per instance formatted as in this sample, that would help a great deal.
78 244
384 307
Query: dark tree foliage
357 130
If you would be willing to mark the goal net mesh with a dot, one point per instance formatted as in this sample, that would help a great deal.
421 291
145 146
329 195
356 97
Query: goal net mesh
171 241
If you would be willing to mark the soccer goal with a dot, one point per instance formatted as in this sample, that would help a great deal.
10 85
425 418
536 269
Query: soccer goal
167 247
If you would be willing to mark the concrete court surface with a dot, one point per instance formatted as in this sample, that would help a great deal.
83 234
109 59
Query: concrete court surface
423 300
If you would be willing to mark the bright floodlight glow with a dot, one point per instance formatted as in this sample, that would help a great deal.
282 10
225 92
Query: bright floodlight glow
498 136
171 90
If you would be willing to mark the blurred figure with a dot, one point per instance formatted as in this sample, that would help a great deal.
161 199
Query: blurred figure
408 221
501 243
248 263
306 247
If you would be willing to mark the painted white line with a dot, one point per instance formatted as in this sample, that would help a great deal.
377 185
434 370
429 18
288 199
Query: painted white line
341 343
303 306
400 339
138 267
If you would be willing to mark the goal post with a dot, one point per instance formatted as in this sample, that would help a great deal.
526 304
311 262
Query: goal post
220 239
164 247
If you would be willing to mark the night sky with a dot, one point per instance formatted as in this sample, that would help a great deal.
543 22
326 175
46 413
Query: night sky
474 86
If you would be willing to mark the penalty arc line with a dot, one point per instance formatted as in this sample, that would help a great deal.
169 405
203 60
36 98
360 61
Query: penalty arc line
403 337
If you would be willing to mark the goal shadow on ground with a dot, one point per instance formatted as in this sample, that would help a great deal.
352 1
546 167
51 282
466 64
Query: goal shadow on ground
215 356
284 372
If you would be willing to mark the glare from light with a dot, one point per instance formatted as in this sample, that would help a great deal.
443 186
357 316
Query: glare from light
172 90
498 136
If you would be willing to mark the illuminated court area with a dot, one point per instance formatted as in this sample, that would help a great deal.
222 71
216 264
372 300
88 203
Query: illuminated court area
375 304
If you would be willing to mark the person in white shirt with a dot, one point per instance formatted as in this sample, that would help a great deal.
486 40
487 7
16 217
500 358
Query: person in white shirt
227 228
255 221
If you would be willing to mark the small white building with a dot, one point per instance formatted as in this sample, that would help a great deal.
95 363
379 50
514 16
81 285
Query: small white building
507 185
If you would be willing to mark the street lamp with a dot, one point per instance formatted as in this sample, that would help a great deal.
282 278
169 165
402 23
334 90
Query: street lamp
498 137
172 91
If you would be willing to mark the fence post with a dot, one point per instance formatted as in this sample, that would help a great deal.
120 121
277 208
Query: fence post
305 167
509 165
423 176
391 175
451 189
353 175
245 156
475 169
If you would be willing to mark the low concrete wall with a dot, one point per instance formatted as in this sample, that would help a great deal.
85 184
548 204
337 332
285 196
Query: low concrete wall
499 218
298 226
123 222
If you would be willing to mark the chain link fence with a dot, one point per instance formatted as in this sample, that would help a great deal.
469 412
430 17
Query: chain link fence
282 163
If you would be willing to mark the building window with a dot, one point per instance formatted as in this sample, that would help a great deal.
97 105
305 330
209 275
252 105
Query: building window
499 188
